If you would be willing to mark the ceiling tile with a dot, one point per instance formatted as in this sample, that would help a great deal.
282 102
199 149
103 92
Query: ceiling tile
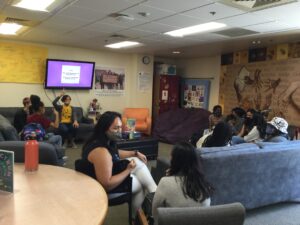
20 13
104 27
209 37
154 13
180 21
134 33
269 27
54 27
221 11
288 13
177 5
82 13
107 6
246 19
66 20
115 22
155 27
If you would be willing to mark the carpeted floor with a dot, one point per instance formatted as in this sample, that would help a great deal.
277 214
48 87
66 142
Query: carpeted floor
279 214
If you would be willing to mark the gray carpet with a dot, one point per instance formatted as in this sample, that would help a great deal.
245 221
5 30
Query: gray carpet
279 214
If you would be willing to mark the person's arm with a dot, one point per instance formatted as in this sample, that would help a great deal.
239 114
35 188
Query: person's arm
55 124
252 135
159 198
133 153
55 103
102 161
242 131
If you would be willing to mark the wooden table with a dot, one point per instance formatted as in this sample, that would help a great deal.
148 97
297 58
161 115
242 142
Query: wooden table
53 195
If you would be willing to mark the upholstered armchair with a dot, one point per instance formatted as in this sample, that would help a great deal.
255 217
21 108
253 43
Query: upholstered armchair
142 117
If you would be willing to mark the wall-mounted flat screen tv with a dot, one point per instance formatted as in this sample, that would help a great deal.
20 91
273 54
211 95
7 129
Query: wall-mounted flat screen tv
69 74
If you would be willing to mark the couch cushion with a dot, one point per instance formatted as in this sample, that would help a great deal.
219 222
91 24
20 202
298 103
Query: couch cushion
240 147
9 133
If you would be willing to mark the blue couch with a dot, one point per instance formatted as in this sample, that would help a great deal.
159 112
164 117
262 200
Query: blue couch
253 174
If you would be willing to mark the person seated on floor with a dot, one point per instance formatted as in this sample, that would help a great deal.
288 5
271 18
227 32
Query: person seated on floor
38 117
101 151
20 117
220 136
68 125
185 184
215 117
276 130
256 134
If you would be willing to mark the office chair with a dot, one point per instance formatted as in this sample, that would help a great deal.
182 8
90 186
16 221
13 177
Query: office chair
120 195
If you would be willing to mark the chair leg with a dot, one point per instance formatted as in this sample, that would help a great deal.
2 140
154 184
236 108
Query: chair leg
130 213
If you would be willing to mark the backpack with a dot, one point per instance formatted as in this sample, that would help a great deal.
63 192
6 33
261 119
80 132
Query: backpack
33 128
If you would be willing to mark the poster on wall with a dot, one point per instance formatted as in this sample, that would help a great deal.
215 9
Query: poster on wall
144 81
195 93
109 81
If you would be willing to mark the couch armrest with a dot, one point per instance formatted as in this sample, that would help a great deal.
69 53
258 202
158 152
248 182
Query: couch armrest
47 152
87 120
149 125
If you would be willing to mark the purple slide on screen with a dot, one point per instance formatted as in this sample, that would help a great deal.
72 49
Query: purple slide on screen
69 74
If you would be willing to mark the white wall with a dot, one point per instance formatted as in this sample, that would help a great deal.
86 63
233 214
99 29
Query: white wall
12 93
205 67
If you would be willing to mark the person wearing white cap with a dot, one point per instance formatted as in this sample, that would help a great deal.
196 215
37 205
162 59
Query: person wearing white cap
277 130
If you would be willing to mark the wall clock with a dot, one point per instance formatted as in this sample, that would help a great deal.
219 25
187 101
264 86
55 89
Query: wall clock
146 59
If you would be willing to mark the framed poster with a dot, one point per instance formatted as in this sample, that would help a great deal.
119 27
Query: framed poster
194 93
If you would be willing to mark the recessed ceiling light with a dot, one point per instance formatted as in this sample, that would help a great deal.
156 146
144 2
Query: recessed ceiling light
123 44
9 28
38 5
195 29
176 52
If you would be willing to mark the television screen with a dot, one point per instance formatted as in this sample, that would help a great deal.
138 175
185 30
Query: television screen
69 74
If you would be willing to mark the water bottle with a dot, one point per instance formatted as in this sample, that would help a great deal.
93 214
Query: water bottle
32 153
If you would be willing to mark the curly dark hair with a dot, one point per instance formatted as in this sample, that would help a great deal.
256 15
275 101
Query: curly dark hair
186 164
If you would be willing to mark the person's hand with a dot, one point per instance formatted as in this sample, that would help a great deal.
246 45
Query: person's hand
142 157
62 93
75 124
168 172
131 165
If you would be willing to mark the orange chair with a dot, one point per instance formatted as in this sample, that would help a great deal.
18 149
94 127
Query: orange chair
142 117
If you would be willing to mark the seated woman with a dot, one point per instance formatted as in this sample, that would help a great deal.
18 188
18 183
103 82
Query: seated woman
277 130
215 117
101 151
184 185
221 136
37 116
256 134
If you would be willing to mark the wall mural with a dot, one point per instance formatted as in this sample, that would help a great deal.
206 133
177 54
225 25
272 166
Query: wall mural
269 85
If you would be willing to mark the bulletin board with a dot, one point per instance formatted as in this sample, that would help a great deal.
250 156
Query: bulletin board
195 93
20 63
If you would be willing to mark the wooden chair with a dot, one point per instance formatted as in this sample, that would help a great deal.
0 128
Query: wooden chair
120 195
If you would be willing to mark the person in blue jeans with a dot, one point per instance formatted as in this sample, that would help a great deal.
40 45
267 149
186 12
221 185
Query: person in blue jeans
68 120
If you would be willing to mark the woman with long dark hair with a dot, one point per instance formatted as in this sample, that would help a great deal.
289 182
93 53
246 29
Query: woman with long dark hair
184 185
101 151
220 137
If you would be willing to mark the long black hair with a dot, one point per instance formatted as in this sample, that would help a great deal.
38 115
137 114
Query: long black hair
186 164
221 136
102 126
36 103
260 123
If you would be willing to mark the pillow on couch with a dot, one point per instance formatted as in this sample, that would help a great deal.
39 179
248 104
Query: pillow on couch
8 132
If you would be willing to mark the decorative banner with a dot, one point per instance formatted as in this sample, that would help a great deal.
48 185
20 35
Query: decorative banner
109 81
270 85
22 63
6 171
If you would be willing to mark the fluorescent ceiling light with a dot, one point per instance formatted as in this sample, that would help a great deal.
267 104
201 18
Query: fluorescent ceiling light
122 44
38 5
9 28
195 29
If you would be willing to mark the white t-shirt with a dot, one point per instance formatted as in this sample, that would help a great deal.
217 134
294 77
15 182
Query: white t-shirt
253 135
